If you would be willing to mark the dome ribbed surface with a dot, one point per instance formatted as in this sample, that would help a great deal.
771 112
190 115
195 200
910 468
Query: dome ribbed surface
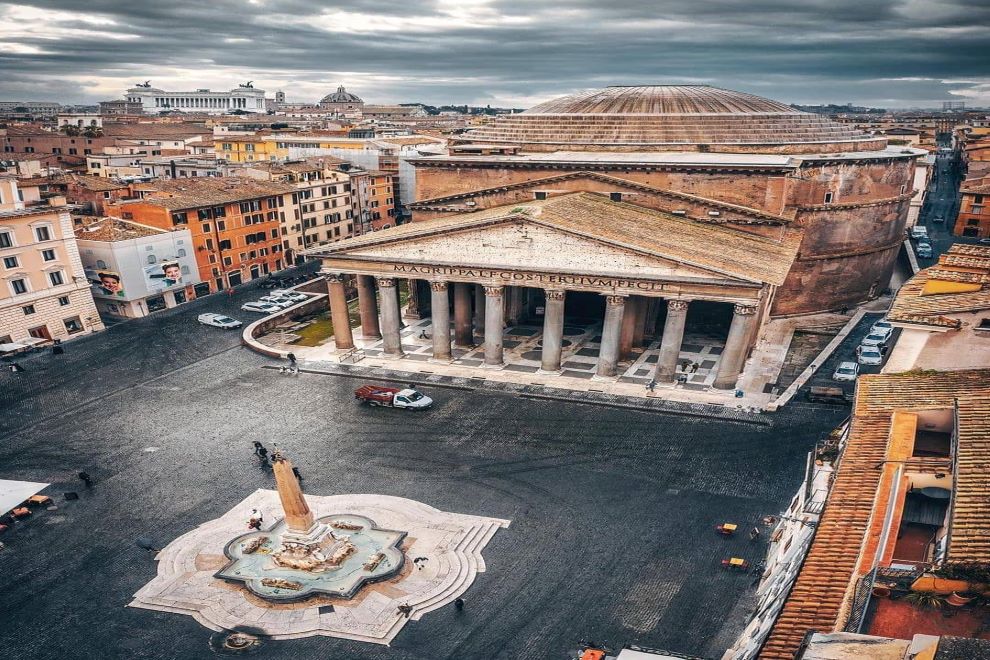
671 118
341 96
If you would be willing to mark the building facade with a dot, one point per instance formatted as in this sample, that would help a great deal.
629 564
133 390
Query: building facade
846 190
235 223
134 269
43 289
152 99
974 211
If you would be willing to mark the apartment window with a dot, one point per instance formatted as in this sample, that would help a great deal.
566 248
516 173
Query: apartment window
28 310
977 208
227 261
19 286
73 151
180 218
206 228
100 263
43 233
275 233
219 212
225 244
63 300
828 198
49 255
226 146
977 199
184 270
221 225
209 244
152 259
73 325
6 239
56 278
205 214
213 258
10 262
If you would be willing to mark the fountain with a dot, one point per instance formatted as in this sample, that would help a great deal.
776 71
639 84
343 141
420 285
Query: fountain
300 556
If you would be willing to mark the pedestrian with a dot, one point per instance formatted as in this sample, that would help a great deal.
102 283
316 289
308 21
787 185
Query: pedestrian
293 367
459 604
16 368
86 479
652 385
295 471
57 347
405 609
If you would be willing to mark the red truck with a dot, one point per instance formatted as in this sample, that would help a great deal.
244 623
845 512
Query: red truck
393 397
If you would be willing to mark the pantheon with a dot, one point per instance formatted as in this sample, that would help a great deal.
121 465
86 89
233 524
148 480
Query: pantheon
646 209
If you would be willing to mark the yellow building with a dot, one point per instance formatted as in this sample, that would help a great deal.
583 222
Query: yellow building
249 148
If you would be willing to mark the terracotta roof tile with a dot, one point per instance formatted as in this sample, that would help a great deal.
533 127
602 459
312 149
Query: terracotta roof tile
178 194
847 529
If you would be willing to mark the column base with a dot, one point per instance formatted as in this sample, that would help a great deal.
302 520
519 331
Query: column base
445 361
542 372
604 379
494 367
393 356
372 336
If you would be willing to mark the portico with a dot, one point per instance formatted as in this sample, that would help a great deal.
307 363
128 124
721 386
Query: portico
635 271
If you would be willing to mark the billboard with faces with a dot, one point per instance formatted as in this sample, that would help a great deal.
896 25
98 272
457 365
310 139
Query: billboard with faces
163 275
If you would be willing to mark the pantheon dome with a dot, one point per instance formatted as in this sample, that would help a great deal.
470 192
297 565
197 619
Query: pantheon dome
341 97
671 118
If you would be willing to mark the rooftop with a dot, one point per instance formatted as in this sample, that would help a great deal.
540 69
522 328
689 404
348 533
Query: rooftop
712 247
115 229
849 530
179 194
959 282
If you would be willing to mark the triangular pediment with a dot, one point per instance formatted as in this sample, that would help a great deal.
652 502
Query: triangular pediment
523 244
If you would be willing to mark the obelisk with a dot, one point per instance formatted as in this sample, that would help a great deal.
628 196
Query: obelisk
298 517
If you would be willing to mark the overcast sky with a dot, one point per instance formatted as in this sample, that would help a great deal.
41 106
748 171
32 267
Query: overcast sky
892 53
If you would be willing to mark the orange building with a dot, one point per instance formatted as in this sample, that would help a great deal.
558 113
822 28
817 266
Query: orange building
235 223
974 211
378 200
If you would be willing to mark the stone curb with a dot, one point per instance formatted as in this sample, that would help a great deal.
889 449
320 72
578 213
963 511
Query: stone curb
709 411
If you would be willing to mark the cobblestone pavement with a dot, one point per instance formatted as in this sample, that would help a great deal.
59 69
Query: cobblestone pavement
612 508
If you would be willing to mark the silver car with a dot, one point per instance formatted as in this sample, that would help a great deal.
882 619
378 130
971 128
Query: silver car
875 339
869 355
846 371
218 321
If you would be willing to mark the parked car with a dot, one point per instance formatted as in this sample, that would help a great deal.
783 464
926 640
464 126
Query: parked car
872 355
278 301
846 371
924 250
919 233
883 325
392 397
263 307
218 320
291 295
875 339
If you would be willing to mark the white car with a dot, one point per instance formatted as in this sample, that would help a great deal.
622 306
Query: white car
218 320
263 307
291 295
869 355
846 371
882 326
278 301
875 339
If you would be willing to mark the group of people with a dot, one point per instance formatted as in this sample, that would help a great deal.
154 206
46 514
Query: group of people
262 453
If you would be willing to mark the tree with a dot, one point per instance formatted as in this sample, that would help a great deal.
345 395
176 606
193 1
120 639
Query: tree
71 130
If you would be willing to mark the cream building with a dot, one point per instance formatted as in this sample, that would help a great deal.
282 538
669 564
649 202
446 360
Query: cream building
243 97
44 293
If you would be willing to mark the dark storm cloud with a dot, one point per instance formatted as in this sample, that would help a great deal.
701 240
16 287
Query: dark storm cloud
896 53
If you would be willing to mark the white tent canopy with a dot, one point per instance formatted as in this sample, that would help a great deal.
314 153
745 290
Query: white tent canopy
13 493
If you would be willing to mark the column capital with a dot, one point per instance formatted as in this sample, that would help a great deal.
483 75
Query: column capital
743 309
615 300
438 285
334 278
494 291
555 294
386 281
677 304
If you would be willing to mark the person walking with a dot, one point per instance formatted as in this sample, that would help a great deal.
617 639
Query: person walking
459 604
86 479
293 367
651 386
260 452
16 368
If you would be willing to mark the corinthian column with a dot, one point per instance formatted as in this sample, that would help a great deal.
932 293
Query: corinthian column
343 339
734 355
670 344
440 316
553 330
608 353
391 325
493 325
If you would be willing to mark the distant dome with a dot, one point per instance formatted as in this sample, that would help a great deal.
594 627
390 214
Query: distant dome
671 118
341 96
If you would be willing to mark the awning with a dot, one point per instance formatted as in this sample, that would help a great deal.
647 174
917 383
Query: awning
13 493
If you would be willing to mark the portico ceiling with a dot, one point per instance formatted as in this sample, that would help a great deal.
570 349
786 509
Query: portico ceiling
581 233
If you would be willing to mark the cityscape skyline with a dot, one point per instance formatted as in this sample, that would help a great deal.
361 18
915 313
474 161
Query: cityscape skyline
502 53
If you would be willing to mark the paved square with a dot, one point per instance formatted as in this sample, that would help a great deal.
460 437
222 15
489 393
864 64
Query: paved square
612 509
